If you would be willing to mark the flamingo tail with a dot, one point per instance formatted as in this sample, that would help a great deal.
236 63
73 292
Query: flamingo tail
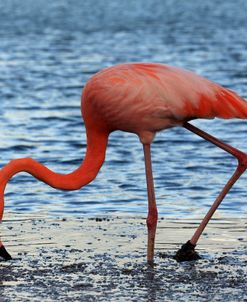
230 105
226 104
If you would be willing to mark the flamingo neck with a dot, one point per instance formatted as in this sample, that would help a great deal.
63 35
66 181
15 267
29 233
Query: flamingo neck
88 170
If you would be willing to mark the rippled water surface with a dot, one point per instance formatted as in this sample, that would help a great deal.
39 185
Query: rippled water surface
48 49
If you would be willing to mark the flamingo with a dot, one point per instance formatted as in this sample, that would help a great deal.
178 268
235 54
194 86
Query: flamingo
141 98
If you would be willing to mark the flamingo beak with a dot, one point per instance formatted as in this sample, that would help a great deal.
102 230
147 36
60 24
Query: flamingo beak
4 254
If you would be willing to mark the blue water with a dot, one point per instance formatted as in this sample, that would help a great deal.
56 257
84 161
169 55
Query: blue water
48 49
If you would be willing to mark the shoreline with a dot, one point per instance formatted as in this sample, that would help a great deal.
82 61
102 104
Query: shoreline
104 259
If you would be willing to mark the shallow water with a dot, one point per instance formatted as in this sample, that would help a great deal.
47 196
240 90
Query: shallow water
104 259
48 49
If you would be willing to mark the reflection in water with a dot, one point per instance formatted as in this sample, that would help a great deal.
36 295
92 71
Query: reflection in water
152 284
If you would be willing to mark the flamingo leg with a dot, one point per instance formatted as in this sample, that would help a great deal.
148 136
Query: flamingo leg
187 251
152 208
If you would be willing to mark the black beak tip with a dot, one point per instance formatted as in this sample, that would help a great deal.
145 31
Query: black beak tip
4 254
187 253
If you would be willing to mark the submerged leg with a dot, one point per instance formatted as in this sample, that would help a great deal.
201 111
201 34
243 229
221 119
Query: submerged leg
187 251
152 208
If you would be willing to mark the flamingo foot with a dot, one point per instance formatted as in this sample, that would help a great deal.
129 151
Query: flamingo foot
187 253
4 254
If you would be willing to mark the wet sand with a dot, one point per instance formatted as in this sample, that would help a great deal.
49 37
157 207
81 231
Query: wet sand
103 259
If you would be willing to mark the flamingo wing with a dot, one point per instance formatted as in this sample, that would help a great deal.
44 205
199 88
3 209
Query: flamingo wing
188 95
149 96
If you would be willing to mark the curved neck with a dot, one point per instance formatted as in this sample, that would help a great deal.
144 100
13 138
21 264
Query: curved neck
95 156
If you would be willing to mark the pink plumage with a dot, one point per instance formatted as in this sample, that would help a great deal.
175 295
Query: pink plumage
145 98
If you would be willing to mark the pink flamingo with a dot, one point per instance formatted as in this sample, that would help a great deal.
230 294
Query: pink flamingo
142 99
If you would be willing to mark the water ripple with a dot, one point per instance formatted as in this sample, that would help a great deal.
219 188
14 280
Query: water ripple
47 54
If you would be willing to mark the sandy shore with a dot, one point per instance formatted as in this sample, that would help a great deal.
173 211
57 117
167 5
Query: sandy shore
103 259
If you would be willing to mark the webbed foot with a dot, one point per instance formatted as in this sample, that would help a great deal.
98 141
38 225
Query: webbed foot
187 253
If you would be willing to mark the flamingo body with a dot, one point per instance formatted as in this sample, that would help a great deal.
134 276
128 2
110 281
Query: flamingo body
146 98
142 99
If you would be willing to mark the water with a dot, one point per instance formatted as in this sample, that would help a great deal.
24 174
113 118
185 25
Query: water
48 49
87 259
